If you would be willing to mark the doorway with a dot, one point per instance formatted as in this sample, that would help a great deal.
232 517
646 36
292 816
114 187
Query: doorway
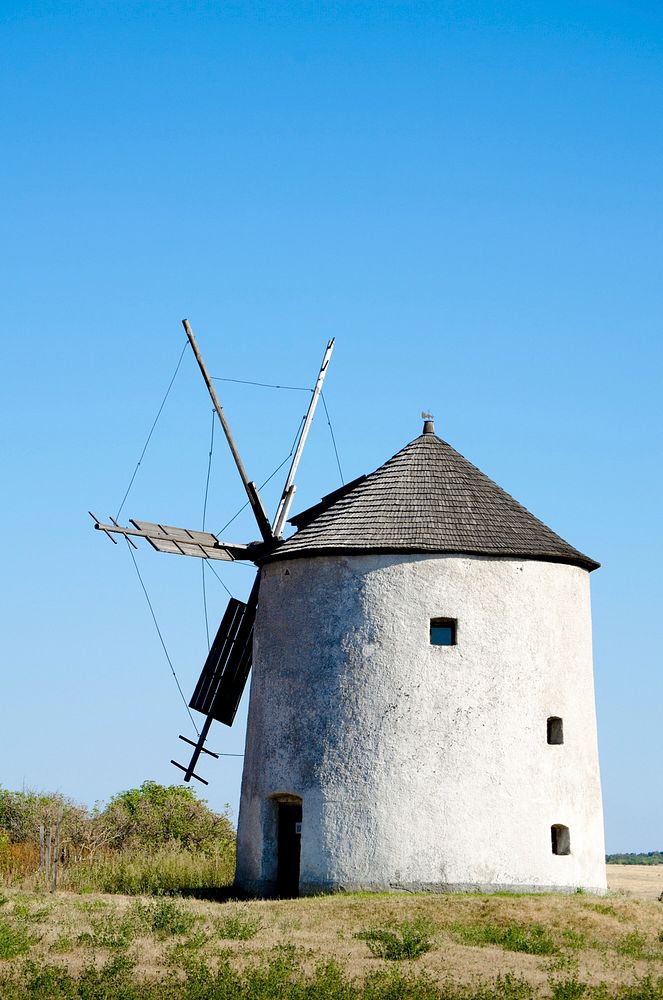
289 838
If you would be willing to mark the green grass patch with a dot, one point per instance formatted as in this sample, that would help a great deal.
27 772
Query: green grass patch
395 941
605 909
163 917
283 975
92 905
574 939
637 945
24 911
110 931
533 939
147 872
181 953
15 939
238 926
568 989
63 944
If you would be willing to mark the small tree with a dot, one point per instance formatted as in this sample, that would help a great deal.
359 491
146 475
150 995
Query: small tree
22 813
156 814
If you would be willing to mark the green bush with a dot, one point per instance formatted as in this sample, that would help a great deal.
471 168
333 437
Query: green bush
158 815
395 941
155 838
22 813
650 858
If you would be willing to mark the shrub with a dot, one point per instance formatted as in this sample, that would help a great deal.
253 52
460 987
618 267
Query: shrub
158 815
115 849
405 940
22 813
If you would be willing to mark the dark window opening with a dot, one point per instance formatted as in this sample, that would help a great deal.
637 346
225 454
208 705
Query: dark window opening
555 730
443 631
289 837
560 839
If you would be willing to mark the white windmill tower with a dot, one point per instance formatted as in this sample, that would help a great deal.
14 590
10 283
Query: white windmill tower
422 705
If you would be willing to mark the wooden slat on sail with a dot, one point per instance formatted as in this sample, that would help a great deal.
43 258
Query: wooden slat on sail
224 675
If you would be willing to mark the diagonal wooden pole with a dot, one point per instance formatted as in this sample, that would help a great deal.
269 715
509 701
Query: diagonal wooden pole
249 486
289 489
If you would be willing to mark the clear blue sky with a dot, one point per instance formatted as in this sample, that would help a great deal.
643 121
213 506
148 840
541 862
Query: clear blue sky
466 195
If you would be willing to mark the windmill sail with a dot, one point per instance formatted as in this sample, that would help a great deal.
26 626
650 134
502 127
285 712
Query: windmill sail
228 664
224 675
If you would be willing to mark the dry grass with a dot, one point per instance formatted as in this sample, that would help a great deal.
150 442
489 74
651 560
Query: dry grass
615 939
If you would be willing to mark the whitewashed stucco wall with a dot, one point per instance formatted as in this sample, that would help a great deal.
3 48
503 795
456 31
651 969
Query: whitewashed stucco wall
423 766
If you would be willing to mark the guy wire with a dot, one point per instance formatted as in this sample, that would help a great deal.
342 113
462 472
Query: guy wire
202 563
149 436
161 639
331 431
277 469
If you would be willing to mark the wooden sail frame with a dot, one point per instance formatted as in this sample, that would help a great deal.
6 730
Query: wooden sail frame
226 670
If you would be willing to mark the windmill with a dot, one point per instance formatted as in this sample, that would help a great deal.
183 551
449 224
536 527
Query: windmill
224 675
422 709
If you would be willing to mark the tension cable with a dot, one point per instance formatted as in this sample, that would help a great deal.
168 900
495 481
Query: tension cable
149 436
264 385
207 563
202 564
331 431
270 477
161 638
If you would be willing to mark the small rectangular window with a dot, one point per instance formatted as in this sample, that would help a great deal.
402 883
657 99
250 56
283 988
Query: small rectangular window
555 730
560 839
443 631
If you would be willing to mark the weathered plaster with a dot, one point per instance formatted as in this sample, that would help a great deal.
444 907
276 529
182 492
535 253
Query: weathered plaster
420 766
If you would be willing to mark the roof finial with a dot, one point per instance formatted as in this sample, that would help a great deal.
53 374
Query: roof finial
429 426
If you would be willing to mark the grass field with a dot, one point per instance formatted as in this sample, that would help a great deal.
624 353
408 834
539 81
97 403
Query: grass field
99 947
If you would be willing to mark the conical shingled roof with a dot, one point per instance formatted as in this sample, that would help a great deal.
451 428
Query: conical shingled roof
427 498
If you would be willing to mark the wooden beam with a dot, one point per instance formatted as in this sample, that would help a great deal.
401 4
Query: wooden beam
251 490
289 490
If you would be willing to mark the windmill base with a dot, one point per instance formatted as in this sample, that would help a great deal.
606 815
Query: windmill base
485 888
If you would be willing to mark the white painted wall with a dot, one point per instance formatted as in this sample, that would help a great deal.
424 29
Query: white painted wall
423 766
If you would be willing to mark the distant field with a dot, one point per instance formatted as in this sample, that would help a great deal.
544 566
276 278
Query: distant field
644 881
551 946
